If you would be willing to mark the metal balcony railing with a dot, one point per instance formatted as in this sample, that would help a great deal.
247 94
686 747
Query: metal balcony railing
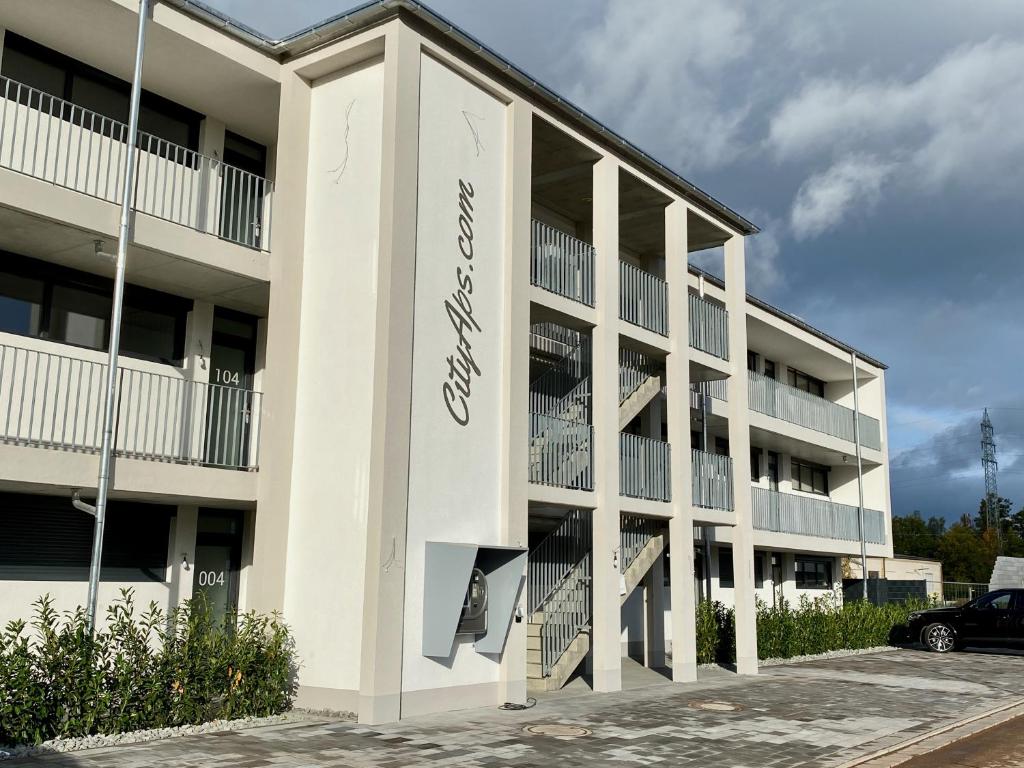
712 481
72 147
49 400
643 298
709 327
807 516
717 389
562 264
561 452
644 469
773 398
634 369
635 533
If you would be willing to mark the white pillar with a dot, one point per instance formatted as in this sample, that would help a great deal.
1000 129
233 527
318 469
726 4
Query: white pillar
183 554
606 662
677 367
739 447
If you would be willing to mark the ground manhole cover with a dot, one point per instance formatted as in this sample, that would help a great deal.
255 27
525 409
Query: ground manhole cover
558 729
715 706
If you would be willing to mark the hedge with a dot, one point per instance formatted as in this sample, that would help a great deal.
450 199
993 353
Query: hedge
812 626
157 670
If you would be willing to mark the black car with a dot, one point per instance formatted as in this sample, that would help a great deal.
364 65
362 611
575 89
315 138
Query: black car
993 619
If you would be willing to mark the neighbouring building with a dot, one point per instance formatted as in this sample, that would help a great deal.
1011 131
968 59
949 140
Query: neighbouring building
895 578
413 352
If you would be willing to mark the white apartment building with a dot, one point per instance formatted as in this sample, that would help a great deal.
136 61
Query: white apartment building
402 327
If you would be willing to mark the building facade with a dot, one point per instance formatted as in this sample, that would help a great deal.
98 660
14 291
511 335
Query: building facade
412 352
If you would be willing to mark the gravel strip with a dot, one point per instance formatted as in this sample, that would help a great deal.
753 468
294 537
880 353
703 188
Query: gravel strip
814 656
74 744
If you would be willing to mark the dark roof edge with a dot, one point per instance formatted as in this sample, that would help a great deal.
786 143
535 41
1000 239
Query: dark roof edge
372 12
792 319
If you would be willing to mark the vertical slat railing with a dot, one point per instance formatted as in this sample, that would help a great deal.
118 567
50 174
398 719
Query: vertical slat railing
566 613
644 468
709 327
635 368
49 400
809 516
773 398
635 532
561 452
69 146
643 298
562 264
555 557
712 481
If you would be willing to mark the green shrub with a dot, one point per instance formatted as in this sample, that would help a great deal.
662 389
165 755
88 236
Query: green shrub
811 627
151 671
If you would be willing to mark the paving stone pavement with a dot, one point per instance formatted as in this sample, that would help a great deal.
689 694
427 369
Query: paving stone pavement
821 713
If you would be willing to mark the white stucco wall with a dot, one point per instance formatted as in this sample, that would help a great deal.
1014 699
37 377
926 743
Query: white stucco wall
329 487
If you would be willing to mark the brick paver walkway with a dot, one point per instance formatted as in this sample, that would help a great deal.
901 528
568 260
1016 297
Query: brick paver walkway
822 713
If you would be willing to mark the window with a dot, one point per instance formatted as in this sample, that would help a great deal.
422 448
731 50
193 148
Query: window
810 478
813 574
755 464
51 302
769 369
726 580
758 570
46 539
722 446
807 383
58 75
694 439
773 470
752 361
996 601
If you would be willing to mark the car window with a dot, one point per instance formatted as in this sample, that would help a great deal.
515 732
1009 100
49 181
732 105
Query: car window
997 601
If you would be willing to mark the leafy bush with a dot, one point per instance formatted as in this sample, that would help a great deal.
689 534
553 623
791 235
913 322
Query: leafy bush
152 671
813 626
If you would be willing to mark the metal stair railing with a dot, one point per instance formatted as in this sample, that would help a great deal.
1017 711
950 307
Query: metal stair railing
566 614
555 557
644 469
562 264
561 452
635 533
635 368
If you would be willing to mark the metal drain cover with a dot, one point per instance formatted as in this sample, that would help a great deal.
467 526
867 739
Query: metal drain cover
715 706
558 729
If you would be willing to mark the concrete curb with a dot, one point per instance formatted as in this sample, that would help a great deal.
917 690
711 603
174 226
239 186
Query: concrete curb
937 738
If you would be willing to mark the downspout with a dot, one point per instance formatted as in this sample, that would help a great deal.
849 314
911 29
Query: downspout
110 395
860 477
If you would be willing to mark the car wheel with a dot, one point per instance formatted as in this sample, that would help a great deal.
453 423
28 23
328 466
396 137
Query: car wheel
939 638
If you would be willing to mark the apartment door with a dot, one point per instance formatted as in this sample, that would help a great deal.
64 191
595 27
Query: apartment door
230 400
242 190
218 560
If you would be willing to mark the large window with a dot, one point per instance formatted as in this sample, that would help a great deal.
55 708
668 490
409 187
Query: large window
50 302
58 75
726 579
813 573
755 464
807 383
810 478
46 539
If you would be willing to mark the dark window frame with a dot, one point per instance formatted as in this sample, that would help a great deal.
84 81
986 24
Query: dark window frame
73 68
795 465
135 297
726 576
755 464
821 566
809 384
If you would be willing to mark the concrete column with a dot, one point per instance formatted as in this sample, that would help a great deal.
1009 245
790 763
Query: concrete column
183 554
654 615
211 144
198 340
680 529
739 447
265 585
380 676
607 615
517 396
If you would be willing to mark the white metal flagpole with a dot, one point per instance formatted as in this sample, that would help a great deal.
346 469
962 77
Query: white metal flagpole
110 396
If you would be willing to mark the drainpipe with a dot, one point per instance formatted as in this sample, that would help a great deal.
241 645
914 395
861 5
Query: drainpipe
860 476
110 396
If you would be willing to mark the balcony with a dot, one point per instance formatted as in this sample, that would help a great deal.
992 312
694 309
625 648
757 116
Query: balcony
781 401
561 452
717 389
806 516
562 264
712 481
644 470
69 146
709 327
643 299
55 401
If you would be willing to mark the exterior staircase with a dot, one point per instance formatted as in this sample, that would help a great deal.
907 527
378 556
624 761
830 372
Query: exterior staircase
559 592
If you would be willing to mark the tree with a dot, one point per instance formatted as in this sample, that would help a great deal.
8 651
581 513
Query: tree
966 555
911 536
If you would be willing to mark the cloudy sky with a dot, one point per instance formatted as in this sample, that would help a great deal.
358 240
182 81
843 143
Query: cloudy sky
878 144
